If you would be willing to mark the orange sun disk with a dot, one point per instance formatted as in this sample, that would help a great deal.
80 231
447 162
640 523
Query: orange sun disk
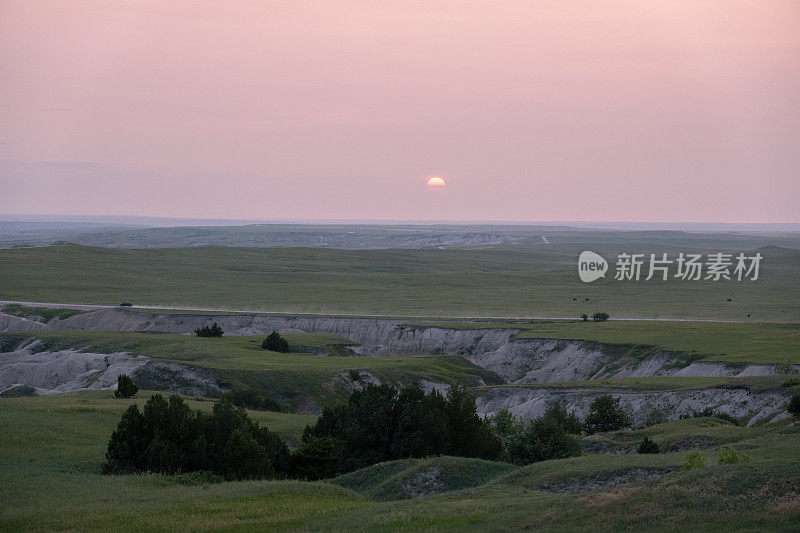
436 183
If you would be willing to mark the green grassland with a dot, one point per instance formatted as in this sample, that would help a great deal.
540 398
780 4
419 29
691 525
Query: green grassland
769 343
51 449
505 281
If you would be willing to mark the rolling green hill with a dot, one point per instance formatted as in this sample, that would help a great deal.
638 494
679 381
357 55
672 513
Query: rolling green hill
55 483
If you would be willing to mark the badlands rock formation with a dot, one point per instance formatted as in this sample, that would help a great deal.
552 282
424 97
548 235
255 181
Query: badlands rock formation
519 361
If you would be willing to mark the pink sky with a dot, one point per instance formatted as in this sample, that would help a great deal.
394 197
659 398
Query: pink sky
532 110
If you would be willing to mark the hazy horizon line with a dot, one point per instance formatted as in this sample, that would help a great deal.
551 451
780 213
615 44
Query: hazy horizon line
35 217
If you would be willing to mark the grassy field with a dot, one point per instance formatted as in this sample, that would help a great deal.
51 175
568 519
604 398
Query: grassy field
502 281
764 343
55 483
51 447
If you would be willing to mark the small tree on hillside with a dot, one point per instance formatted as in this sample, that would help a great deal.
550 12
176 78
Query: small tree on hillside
125 387
275 343
648 445
585 317
565 420
605 414
794 405
213 331
506 428
541 440
600 317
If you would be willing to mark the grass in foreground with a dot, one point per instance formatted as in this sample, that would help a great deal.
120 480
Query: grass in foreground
51 449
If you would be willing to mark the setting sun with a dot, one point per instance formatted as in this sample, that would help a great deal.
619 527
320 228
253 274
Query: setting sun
436 183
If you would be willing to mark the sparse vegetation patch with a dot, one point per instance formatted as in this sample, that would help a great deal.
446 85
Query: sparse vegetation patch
209 331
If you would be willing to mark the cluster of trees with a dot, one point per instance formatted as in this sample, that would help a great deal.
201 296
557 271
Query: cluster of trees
596 317
378 423
550 436
252 399
209 331
168 437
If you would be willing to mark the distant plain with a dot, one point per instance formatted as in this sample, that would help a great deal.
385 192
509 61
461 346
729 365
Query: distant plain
527 279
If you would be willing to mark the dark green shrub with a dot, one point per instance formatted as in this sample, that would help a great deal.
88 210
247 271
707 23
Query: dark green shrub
468 433
585 317
252 400
569 422
418 429
168 437
18 391
315 459
605 414
727 418
648 445
654 418
600 317
244 458
128 444
125 387
506 428
794 405
541 440
275 343
708 411
206 331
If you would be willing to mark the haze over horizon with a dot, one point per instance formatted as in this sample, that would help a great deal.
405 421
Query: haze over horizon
611 111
